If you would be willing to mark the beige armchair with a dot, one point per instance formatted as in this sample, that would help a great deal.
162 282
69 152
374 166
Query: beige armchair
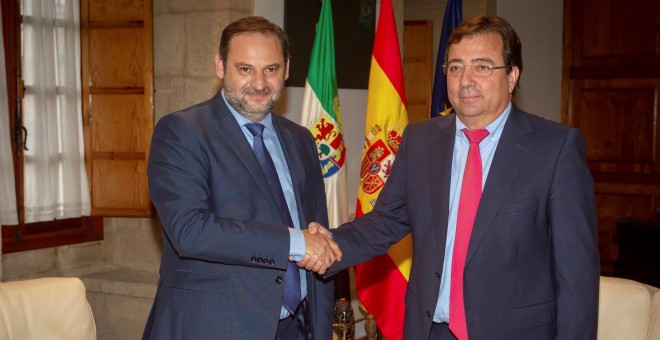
628 310
47 308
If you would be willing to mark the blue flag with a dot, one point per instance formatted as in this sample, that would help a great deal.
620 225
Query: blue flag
453 17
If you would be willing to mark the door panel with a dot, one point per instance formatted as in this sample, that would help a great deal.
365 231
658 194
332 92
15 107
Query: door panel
418 68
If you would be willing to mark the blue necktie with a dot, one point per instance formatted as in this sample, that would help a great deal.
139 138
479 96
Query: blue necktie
292 295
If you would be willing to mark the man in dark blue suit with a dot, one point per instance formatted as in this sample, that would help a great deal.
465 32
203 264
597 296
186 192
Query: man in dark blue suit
527 265
234 185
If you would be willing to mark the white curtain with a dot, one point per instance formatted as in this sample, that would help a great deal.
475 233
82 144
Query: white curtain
8 214
55 179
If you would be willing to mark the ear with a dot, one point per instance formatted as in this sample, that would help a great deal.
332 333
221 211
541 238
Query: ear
286 75
219 67
513 78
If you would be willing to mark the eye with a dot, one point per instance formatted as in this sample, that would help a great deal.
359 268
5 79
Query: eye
482 67
244 69
454 68
271 69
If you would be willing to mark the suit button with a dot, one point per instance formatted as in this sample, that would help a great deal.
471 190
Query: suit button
437 275
428 314
278 280
253 259
271 262
260 260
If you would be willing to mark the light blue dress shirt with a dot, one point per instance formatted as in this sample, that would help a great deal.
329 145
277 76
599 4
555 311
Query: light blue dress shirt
487 148
272 142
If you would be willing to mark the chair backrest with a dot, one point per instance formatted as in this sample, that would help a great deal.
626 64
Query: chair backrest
654 331
626 310
46 308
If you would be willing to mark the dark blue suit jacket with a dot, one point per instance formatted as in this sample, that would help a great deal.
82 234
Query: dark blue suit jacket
532 268
225 247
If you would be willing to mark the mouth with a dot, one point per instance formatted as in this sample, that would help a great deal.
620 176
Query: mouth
469 98
258 93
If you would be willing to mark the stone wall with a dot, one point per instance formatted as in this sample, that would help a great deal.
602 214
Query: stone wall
186 39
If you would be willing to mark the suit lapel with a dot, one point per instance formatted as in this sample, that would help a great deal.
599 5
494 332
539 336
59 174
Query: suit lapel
233 136
440 178
510 154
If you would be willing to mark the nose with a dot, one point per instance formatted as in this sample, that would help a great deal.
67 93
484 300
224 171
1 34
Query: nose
258 81
466 78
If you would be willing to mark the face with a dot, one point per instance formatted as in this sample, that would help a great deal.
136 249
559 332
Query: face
478 101
254 74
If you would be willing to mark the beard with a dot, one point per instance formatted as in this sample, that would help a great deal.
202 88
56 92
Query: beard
251 110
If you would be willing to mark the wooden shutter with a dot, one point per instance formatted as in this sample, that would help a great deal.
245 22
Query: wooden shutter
610 88
117 92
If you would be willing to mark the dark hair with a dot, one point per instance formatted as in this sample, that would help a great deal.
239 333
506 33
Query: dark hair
252 24
511 50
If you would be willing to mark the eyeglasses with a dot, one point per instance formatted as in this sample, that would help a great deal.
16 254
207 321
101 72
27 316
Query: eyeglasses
481 70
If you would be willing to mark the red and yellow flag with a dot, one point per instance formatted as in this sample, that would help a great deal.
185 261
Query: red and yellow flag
381 282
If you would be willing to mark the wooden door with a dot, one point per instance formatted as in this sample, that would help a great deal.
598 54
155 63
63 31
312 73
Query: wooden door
418 68
610 87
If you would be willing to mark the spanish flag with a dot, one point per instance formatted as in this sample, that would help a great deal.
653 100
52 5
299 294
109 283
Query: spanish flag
381 282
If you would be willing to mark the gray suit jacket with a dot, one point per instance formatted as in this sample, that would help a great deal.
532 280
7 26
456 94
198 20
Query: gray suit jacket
532 268
225 247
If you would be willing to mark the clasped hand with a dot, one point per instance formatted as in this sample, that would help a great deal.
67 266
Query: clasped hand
320 250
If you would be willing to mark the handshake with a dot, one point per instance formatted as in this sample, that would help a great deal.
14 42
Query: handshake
320 250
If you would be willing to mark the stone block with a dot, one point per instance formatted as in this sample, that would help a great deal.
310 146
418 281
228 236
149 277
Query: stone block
202 41
120 301
190 6
122 282
235 15
82 255
123 224
161 104
199 90
177 94
139 244
119 317
30 264
164 83
169 44
109 240
242 5
161 7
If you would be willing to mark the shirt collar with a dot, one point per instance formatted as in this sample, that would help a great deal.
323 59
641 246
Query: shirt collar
241 120
493 128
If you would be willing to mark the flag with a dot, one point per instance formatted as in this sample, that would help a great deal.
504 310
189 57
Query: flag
321 115
381 282
439 100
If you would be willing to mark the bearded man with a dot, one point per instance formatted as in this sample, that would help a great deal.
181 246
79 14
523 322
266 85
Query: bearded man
235 187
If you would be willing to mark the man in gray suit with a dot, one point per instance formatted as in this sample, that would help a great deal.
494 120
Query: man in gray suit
517 256
233 185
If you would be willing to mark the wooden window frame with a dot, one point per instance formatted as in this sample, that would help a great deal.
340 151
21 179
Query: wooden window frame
116 37
38 235
29 236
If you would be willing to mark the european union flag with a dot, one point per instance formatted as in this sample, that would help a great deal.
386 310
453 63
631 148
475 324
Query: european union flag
453 17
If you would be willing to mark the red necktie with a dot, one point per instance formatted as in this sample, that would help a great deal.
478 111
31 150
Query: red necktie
467 210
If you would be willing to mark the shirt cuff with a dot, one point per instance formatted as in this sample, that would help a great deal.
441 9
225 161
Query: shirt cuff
297 245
